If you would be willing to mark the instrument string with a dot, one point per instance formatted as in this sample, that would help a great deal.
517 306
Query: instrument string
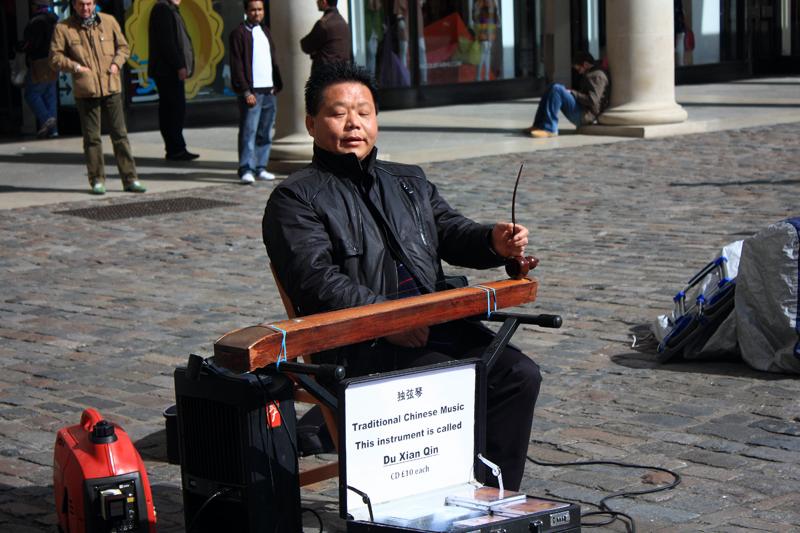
282 355
489 293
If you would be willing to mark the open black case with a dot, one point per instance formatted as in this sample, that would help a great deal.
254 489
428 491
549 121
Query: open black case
418 465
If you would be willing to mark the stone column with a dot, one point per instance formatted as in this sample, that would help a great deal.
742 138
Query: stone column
641 58
290 21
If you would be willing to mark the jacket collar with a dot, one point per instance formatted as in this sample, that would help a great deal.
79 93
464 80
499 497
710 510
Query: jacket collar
90 22
251 26
347 165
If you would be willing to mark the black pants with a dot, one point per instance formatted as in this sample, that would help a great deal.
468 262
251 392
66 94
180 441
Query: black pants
171 112
512 390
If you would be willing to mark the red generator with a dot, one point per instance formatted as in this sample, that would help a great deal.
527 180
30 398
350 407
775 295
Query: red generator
99 480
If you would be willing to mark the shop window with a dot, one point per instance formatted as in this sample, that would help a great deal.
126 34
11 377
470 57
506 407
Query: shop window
425 42
466 41
706 31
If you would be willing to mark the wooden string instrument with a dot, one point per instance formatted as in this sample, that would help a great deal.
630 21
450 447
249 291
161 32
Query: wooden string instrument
254 347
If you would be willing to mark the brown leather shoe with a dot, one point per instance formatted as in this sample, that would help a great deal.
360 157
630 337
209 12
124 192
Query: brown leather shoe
542 134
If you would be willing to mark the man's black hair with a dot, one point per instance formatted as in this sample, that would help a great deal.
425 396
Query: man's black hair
582 57
247 2
327 74
332 3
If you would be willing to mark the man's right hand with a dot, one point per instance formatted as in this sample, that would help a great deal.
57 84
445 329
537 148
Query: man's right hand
413 338
250 100
183 73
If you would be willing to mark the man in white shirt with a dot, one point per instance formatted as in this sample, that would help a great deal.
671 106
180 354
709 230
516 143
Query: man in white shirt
256 79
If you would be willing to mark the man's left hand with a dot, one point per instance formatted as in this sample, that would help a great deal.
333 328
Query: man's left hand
113 69
506 244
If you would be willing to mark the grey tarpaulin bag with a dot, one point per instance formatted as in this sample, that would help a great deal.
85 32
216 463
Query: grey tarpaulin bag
766 300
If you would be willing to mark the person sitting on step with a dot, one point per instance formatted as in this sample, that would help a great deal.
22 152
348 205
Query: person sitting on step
581 106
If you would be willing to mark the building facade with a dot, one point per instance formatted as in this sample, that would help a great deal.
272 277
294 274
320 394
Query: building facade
434 52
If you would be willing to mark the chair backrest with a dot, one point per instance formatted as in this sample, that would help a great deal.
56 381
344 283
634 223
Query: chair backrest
331 469
287 302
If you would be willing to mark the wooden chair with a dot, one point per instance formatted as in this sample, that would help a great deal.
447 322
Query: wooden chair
330 469
253 347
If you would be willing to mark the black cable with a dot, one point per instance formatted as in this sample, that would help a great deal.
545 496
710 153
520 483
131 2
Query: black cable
268 400
288 435
605 510
365 499
312 511
630 525
220 492
268 429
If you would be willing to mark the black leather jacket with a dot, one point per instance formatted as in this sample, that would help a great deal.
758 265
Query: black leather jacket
328 250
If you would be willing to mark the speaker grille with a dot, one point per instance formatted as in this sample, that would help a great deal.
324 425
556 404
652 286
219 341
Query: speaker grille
212 440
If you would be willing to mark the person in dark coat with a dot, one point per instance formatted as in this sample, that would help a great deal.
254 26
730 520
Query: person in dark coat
350 230
170 63
329 40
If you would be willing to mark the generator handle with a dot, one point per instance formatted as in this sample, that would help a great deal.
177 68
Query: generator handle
90 418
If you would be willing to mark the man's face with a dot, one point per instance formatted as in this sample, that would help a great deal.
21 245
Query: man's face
582 68
346 122
255 12
84 8
322 5
176 2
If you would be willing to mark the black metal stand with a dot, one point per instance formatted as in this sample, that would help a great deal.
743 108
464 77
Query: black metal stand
511 321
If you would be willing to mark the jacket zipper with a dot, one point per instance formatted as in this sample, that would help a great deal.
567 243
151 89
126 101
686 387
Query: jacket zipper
413 199
359 220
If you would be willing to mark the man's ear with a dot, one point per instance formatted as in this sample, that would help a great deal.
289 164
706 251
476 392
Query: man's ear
310 125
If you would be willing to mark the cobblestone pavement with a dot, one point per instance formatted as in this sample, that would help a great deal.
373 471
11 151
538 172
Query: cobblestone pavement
99 314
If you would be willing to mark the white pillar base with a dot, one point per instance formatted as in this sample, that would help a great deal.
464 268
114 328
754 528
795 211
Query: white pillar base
636 115
294 147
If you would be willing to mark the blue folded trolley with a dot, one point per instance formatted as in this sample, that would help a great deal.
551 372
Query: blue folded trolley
699 309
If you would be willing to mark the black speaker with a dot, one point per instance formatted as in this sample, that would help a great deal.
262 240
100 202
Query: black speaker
238 450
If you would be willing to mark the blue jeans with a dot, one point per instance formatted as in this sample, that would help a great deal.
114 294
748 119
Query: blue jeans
255 132
41 98
557 98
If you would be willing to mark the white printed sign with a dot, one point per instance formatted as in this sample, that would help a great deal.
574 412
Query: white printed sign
409 434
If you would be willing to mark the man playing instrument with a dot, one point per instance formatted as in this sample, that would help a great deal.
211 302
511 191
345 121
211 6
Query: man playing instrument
350 229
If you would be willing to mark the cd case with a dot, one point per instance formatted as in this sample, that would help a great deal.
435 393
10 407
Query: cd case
409 448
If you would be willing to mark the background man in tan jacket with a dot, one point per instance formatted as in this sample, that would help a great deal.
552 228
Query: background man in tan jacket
91 46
